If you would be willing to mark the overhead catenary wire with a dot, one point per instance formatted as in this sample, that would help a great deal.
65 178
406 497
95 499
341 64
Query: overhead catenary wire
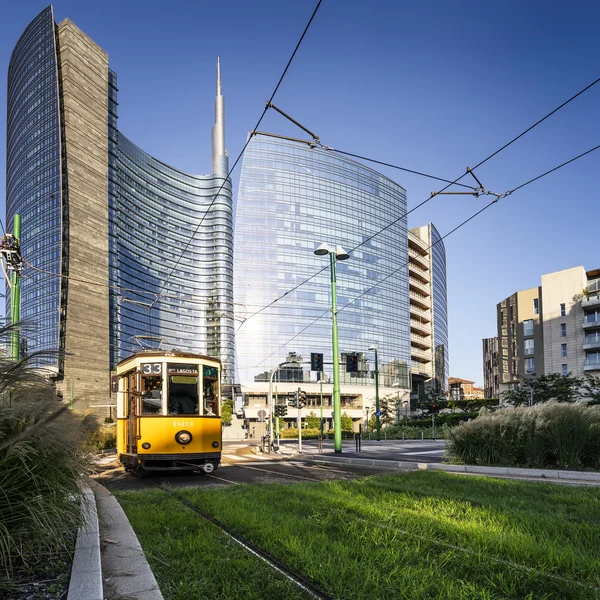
454 182
237 160
405 264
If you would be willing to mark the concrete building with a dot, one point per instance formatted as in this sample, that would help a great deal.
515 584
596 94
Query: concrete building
491 376
428 311
121 250
463 389
554 328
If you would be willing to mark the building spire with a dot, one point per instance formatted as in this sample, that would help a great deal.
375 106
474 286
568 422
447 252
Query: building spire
218 130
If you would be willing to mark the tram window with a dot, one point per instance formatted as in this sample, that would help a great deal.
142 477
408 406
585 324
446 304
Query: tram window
210 394
183 395
151 395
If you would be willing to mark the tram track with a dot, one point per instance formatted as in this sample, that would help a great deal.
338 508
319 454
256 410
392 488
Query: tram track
305 584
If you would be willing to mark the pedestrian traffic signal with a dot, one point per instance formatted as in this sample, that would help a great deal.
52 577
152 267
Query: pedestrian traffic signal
293 400
316 361
351 363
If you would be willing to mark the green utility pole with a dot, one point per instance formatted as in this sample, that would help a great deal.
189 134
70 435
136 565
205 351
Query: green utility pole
15 294
377 412
337 404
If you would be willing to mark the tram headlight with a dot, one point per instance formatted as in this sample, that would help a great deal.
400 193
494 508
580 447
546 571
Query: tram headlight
183 437
146 446
215 444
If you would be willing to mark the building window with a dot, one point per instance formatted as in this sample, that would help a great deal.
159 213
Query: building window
563 330
529 365
536 306
515 368
528 347
565 370
563 349
528 327
563 310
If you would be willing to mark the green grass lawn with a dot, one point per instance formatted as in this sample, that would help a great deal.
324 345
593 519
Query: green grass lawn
418 535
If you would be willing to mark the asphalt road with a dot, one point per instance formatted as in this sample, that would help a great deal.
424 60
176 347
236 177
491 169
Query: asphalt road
393 450
241 464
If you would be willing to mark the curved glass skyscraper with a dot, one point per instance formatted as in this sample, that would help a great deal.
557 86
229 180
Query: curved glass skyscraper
291 198
33 177
121 250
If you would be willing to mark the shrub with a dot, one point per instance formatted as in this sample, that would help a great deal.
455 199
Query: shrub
40 465
550 434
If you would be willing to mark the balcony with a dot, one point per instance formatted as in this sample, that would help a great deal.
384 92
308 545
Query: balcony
418 287
420 328
419 314
416 271
591 321
590 300
418 258
420 341
420 355
592 364
419 300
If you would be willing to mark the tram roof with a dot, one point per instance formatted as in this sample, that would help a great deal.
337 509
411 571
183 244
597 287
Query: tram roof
167 354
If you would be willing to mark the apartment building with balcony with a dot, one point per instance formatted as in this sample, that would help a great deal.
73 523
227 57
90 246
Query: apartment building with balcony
428 310
554 328
520 337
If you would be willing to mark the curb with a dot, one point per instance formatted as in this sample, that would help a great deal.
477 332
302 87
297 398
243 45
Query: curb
86 573
502 471
127 573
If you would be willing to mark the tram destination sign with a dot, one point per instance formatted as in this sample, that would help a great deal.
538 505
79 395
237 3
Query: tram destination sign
182 369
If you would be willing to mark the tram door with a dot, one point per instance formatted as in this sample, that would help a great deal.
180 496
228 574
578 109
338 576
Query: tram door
131 412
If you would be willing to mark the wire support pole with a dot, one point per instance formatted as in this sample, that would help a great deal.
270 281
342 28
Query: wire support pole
337 404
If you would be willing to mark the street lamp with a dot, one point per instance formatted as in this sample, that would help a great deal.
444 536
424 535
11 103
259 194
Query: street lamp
377 413
335 254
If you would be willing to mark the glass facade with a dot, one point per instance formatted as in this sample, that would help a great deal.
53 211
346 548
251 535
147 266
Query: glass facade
291 198
440 309
170 264
33 180
154 212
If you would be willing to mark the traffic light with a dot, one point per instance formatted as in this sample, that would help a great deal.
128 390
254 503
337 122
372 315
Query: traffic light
301 399
435 408
293 400
351 363
280 410
316 361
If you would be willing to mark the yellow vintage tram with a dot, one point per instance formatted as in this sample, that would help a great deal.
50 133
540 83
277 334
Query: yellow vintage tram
168 412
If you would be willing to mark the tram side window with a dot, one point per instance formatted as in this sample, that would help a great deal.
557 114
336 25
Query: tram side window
151 395
210 391
183 395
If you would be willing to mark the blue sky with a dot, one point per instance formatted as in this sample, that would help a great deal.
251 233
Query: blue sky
434 87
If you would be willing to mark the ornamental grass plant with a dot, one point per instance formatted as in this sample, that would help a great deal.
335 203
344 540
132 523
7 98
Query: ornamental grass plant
40 464
548 435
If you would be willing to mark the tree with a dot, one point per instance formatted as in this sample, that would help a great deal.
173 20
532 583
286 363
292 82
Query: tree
312 421
590 389
553 386
346 422
227 411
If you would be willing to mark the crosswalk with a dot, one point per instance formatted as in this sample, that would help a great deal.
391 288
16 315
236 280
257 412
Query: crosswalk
238 458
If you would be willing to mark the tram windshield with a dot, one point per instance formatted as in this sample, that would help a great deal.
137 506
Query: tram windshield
183 395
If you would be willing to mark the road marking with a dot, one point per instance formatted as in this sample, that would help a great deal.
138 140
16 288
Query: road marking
279 474
423 452
222 479
234 457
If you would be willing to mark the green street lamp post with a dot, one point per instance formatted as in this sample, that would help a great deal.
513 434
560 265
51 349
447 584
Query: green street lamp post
377 411
334 255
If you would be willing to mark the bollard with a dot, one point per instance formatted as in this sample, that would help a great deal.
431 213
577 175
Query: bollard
320 444
357 441
422 438
403 434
